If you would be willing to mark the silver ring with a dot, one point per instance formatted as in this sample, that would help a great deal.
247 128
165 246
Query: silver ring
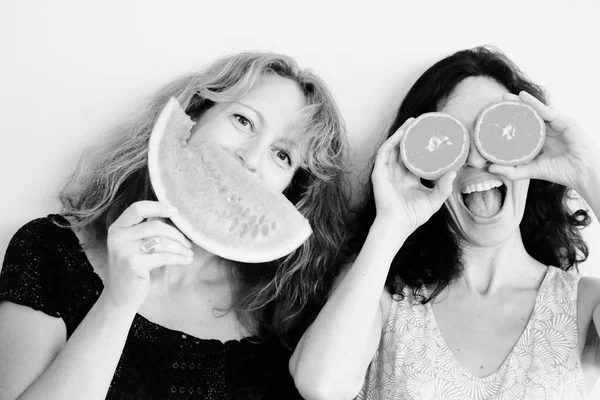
148 245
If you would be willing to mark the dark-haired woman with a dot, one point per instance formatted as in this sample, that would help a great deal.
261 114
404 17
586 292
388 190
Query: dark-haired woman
110 300
463 287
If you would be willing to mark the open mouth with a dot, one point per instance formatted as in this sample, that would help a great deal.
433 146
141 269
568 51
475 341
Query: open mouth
484 199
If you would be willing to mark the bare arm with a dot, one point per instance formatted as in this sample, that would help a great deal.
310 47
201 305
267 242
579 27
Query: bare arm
332 357
30 340
334 353
38 364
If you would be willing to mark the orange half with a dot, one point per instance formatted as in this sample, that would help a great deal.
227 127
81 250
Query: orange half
509 133
434 144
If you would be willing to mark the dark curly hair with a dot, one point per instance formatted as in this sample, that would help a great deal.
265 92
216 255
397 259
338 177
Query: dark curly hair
431 255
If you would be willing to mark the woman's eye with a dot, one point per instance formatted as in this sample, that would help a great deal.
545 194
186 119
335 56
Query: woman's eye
284 156
243 121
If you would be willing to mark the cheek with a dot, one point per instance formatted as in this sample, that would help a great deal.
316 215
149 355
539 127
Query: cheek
520 189
276 178
216 132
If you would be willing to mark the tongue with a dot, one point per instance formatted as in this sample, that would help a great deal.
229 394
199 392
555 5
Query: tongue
484 204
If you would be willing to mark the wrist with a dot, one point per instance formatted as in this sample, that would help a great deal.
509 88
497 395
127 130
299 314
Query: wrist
113 309
392 227
389 234
588 185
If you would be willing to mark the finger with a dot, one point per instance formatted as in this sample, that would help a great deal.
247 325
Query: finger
166 245
443 188
550 115
383 154
395 139
157 228
388 151
511 97
138 211
149 262
512 173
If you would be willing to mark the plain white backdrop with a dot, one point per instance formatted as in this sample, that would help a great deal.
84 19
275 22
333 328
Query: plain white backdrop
70 70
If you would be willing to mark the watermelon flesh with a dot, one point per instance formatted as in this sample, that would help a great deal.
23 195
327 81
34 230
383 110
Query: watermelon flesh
223 207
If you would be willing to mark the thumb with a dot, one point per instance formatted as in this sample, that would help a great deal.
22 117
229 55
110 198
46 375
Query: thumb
442 190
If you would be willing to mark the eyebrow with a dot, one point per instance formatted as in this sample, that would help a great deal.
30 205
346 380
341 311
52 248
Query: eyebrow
258 113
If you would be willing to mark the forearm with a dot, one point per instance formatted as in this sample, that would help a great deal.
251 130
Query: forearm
334 350
85 366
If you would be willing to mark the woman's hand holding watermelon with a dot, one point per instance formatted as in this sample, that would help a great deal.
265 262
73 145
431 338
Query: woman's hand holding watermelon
399 196
128 271
568 156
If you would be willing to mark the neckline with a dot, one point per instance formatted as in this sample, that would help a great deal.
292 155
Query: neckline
253 339
442 342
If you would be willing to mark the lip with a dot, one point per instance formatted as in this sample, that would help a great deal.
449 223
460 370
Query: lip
480 177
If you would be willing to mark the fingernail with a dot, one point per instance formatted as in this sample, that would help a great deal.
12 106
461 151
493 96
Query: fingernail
189 259
190 253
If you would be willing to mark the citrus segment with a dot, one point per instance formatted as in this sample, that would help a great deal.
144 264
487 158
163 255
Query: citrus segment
434 144
509 133
222 206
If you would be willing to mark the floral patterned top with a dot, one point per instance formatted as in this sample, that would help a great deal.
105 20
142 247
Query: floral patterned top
414 362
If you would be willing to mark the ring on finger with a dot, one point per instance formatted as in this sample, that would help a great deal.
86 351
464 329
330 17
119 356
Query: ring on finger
148 245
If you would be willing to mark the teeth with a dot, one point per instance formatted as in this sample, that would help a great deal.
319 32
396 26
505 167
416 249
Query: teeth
481 186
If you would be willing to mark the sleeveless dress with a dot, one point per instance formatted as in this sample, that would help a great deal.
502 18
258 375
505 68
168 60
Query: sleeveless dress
46 269
413 361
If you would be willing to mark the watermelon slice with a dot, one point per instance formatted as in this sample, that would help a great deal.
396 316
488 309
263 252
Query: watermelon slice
223 207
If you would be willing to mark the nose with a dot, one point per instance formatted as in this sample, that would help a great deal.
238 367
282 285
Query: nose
249 155
475 159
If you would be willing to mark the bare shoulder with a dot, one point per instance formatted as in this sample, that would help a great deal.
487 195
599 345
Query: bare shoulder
589 291
588 297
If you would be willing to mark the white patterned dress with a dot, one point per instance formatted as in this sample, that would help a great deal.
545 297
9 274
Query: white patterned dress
413 361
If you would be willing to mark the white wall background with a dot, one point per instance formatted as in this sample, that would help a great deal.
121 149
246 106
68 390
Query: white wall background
71 69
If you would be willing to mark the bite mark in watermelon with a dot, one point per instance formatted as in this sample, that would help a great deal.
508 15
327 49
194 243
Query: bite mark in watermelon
223 207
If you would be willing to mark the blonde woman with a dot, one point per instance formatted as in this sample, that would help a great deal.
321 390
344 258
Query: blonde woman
85 313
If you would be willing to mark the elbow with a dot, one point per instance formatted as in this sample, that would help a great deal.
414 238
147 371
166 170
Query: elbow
320 380
315 386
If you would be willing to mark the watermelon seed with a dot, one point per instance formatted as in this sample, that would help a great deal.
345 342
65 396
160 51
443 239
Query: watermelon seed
261 219
252 219
243 230
273 225
265 230
254 231
234 224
